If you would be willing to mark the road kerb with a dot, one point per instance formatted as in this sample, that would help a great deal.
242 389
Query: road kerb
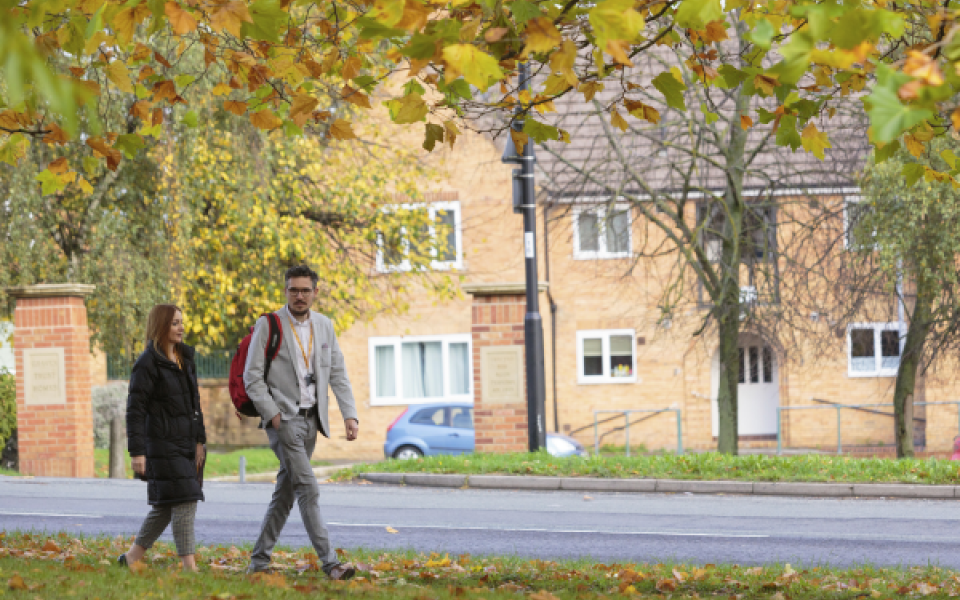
391 478
798 488
704 487
431 480
513 482
904 490
596 484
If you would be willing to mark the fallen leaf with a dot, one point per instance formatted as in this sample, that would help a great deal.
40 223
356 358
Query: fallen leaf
392 530
16 583
588 497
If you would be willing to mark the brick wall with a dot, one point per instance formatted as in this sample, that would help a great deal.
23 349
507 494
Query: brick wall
56 440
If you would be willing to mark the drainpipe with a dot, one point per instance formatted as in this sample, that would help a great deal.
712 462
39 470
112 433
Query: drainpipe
553 311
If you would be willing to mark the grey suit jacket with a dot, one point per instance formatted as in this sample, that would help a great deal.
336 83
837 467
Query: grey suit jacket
281 392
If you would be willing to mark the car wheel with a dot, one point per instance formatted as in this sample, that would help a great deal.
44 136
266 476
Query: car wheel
407 453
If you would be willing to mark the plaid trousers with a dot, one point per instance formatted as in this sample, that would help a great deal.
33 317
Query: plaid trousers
159 517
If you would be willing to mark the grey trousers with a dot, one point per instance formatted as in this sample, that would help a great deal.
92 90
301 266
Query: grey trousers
159 517
293 444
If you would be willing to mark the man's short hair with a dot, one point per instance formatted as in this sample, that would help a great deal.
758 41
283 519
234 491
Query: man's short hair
300 271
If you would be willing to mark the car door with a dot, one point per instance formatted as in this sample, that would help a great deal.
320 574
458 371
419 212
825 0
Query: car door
461 432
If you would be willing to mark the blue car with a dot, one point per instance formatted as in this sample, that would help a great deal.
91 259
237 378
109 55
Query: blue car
447 428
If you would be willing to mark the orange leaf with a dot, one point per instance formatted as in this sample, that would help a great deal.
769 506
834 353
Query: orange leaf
355 97
351 68
17 583
666 585
56 135
495 34
302 105
265 119
341 130
237 108
163 61
618 121
716 31
415 15
618 50
58 166
141 52
112 155
181 20
746 122
231 16
164 90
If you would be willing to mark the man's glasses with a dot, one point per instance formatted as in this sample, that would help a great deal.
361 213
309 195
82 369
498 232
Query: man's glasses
299 292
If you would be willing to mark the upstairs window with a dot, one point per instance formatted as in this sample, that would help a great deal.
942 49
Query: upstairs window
417 370
873 349
856 235
602 232
440 243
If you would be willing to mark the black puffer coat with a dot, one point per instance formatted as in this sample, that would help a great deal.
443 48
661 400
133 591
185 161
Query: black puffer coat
165 424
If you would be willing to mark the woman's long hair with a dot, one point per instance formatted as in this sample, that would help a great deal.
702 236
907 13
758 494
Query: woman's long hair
158 324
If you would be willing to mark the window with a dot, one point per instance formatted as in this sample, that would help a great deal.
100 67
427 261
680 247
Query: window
855 235
755 365
874 349
601 232
759 232
416 370
606 356
459 417
445 251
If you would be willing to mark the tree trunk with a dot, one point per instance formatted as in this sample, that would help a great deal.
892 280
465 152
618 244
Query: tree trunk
118 443
903 391
729 333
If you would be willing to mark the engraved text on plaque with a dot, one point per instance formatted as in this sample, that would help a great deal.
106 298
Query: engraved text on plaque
44 376
501 369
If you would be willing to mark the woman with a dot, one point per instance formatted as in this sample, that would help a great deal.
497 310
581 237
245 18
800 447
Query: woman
165 435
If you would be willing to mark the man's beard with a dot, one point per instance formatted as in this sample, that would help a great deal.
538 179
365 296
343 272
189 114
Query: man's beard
302 313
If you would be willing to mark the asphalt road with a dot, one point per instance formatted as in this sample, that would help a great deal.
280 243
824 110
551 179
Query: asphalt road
549 525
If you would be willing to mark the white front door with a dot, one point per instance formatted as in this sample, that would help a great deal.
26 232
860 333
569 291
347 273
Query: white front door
758 389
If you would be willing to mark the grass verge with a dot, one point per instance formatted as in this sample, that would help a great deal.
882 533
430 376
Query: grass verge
63 566
225 464
706 466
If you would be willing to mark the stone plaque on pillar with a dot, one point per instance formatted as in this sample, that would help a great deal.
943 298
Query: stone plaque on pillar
502 370
44 376
51 344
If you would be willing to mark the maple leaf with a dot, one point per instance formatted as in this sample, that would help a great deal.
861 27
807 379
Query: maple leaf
477 67
520 140
387 12
716 31
495 34
563 60
452 132
666 585
415 16
618 121
589 89
355 97
746 122
164 90
265 119
351 67
56 135
58 166
112 155
914 145
695 14
433 134
814 141
618 50
615 20
181 21
541 36
118 74
642 111
230 16
128 19
765 83
408 109
221 89
17 583
342 130
302 105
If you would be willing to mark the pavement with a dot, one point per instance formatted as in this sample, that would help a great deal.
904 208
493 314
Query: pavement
606 526
671 486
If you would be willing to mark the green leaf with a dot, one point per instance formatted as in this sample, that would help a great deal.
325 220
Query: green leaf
375 30
408 109
152 131
268 21
762 34
190 118
129 144
890 117
949 157
615 20
858 25
523 11
90 166
50 183
888 151
291 129
695 14
142 91
96 23
420 46
787 132
540 132
912 172
672 89
183 81
732 77
365 82
458 88
710 116
413 87
434 134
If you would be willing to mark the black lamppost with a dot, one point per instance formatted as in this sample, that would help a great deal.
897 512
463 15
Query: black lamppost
524 201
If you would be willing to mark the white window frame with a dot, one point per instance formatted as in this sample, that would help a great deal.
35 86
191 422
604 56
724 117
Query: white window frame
848 201
601 252
605 335
436 265
877 351
397 343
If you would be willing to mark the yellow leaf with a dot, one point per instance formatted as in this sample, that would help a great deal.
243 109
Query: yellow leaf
618 50
355 97
302 104
520 140
415 16
221 89
265 119
85 186
230 16
341 130
642 111
914 145
617 121
541 36
746 122
590 89
765 83
452 132
408 109
237 108
615 20
392 530
814 141
955 119
387 12
563 60
477 67
181 20
351 67
128 19
118 74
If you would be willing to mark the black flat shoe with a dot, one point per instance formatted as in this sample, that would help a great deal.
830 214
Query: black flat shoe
122 560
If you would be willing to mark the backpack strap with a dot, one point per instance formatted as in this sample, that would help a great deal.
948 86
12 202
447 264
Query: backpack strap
274 339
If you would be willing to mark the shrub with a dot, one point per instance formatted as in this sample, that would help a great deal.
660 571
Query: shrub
109 401
8 406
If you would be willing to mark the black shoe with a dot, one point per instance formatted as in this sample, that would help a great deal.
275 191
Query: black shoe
341 572
122 560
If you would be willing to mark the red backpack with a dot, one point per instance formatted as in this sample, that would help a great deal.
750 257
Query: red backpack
238 392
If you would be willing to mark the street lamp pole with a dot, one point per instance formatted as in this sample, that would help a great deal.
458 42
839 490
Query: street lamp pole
524 201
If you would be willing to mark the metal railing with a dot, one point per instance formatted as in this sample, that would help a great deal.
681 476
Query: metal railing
626 426
840 407
211 365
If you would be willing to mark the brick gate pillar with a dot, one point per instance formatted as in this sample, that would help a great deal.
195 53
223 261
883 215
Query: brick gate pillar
499 382
51 345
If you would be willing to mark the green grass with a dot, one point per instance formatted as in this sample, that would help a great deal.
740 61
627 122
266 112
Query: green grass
706 466
219 464
62 566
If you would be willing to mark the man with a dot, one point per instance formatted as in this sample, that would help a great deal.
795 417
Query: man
292 403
